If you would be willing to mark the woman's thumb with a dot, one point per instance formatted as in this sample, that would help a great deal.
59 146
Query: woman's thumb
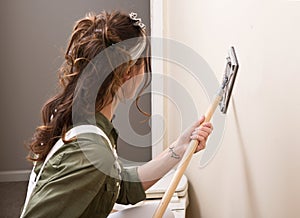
200 121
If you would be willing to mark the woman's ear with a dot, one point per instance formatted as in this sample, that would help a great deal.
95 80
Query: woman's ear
127 75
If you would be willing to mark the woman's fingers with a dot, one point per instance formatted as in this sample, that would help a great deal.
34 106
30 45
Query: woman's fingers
209 125
198 137
200 147
201 134
203 130
201 120
195 125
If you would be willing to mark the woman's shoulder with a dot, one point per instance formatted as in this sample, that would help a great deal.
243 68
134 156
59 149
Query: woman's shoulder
87 150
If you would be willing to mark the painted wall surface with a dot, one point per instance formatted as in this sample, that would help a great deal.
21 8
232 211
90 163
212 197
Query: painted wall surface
255 172
33 37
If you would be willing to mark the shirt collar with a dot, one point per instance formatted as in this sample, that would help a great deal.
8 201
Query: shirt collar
107 126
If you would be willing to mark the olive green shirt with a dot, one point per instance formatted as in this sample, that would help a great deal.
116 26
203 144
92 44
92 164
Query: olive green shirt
81 179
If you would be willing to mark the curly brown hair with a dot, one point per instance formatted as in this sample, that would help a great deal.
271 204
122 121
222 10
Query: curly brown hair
91 35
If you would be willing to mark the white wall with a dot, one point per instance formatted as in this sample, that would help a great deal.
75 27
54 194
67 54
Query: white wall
255 173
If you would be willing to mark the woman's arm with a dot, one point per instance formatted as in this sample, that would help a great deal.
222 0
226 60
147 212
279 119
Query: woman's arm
155 169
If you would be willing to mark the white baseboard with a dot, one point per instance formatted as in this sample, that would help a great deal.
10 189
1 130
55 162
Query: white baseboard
14 176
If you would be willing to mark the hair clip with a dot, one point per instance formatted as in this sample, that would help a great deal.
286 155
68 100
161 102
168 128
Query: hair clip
98 30
52 115
138 21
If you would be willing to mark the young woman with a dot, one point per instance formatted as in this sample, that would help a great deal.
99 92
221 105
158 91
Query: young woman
83 177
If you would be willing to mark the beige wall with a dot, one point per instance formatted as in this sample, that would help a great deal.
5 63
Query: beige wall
255 172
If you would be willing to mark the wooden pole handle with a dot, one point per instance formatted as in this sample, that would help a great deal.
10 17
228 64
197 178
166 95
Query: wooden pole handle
184 163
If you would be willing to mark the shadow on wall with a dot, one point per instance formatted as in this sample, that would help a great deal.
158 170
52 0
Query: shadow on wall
253 207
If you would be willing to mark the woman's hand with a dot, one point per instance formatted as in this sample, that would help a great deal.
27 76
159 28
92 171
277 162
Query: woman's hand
150 172
195 132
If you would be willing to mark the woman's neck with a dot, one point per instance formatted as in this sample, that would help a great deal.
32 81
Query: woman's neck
109 110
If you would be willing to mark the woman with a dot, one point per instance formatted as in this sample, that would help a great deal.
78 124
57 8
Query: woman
108 53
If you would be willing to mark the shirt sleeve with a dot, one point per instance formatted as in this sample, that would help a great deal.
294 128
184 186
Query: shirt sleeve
131 191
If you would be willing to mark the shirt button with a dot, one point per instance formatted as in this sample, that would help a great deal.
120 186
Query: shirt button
117 184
